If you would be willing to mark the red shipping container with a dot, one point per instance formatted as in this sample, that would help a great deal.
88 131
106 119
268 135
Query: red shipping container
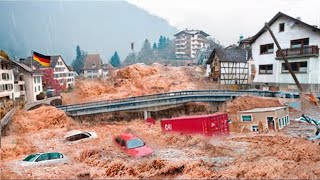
209 125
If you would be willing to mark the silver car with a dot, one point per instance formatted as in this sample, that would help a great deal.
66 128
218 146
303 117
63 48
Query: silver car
45 159
76 136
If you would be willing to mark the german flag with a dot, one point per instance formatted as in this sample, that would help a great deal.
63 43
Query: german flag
42 59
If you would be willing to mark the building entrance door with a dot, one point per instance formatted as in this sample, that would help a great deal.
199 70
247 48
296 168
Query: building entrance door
270 123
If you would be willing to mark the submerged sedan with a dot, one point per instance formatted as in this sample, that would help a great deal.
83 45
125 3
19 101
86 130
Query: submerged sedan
132 145
44 159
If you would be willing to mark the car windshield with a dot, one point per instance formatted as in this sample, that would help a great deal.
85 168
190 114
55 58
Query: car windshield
31 157
135 143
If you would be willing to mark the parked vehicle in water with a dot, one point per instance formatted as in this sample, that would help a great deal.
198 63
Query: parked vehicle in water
76 136
132 145
49 158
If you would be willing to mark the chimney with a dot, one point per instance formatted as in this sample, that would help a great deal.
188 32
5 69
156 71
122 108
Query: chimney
299 18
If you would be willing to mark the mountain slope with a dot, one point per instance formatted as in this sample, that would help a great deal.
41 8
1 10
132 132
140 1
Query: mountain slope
57 27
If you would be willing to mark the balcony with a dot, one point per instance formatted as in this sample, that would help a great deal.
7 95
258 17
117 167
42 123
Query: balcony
307 51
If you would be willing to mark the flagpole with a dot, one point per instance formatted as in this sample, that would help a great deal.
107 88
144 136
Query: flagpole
31 59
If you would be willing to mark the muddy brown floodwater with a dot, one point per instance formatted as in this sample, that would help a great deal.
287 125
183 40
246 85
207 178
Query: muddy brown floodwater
138 80
277 155
286 154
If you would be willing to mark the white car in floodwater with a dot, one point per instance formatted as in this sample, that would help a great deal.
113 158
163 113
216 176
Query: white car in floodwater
42 159
76 136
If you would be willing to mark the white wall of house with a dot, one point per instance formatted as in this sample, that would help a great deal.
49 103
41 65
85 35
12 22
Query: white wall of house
297 31
234 73
90 74
63 75
6 81
37 85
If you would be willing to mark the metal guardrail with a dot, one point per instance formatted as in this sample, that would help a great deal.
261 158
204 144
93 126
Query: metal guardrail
157 100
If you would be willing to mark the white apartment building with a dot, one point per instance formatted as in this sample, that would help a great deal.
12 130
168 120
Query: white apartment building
6 80
300 43
94 67
19 82
189 42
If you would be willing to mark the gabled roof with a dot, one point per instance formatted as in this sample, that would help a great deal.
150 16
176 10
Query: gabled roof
231 54
277 16
92 62
21 65
53 62
71 68
192 32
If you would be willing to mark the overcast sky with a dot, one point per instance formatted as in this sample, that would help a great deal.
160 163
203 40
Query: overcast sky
226 20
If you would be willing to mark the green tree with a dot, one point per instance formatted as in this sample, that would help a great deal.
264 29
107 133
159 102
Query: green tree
161 43
154 46
130 59
78 62
146 54
115 60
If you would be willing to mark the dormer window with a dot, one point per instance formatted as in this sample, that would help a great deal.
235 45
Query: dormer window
93 65
281 27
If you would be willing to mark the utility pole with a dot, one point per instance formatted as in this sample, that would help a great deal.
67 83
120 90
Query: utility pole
285 59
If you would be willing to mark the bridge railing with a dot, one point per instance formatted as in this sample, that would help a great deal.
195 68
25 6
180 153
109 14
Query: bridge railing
168 94
144 104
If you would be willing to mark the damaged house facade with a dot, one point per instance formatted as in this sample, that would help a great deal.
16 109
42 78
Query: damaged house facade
267 119
229 66
300 44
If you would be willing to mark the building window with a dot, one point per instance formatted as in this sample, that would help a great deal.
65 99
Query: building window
35 89
38 88
246 117
255 128
5 76
299 67
300 43
266 69
21 77
279 122
281 27
35 79
9 87
266 49
1 88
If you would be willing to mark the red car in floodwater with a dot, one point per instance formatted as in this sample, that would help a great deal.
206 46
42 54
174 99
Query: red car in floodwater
132 145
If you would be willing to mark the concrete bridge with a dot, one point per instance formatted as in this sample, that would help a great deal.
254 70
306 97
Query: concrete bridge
158 102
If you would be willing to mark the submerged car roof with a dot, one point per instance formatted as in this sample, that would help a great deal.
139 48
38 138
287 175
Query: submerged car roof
40 153
127 136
